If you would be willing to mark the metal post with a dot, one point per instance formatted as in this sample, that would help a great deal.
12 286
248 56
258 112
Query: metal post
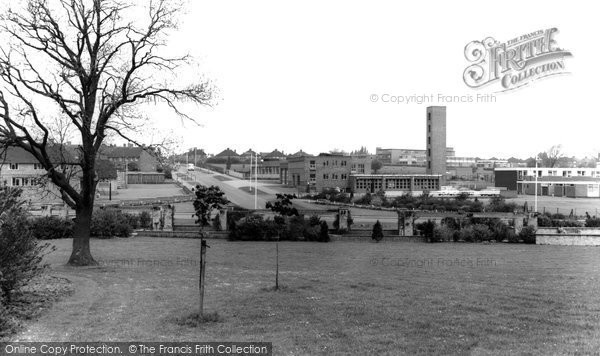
109 190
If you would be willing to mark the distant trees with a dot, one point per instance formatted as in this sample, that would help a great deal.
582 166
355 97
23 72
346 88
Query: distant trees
361 151
551 158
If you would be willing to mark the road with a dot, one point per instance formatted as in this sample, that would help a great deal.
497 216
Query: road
239 193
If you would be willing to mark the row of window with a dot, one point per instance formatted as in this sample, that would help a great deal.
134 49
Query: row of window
333 163
565 173
15 166
335 176
360 168
398 183
22 182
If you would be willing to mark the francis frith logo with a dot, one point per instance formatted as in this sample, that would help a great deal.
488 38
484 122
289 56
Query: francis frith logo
514 63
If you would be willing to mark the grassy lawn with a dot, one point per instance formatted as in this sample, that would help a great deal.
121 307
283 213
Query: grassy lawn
343 297
564 205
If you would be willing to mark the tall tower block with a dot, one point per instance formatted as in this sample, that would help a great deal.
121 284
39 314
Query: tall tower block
436 140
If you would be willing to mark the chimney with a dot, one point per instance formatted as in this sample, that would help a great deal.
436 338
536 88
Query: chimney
130 144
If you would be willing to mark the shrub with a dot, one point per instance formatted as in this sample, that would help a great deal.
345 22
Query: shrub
8 325
426 228
475 233
544 221
377 233
108 223
311 233
51 227
443 233
365 199
254 228
145 220
295 229
133 220
592 222
20 253
499 204
314 220
527 234
324 232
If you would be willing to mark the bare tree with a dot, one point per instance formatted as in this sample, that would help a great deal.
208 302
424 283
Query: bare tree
87 61
554 154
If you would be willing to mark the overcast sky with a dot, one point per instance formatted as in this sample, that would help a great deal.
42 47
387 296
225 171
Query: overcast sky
300 75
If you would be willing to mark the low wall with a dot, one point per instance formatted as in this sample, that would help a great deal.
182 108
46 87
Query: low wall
568 236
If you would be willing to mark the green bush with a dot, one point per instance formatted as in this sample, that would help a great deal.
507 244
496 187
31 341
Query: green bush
108 223
295 229
51 227
314 220
254 228
527 234
475 233
377 233
20 252
443 233
365 199
426 228
133 220
7 323
324 232
311 233
145 220
592 222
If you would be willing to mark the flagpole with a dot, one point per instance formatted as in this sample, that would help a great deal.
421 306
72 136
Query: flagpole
256 182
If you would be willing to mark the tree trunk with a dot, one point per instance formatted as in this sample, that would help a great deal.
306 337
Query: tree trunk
81 255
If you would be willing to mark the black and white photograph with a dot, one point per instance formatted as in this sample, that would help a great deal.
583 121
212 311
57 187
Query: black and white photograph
193 177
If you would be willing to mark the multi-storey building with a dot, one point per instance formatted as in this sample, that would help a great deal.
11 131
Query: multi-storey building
315 173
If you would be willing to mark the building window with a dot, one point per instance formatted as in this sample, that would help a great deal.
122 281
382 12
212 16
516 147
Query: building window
313 178
325 176
37 166
16 181
429 140
361 168
344 176
428 128
428 116
312 165
14 166
344 163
